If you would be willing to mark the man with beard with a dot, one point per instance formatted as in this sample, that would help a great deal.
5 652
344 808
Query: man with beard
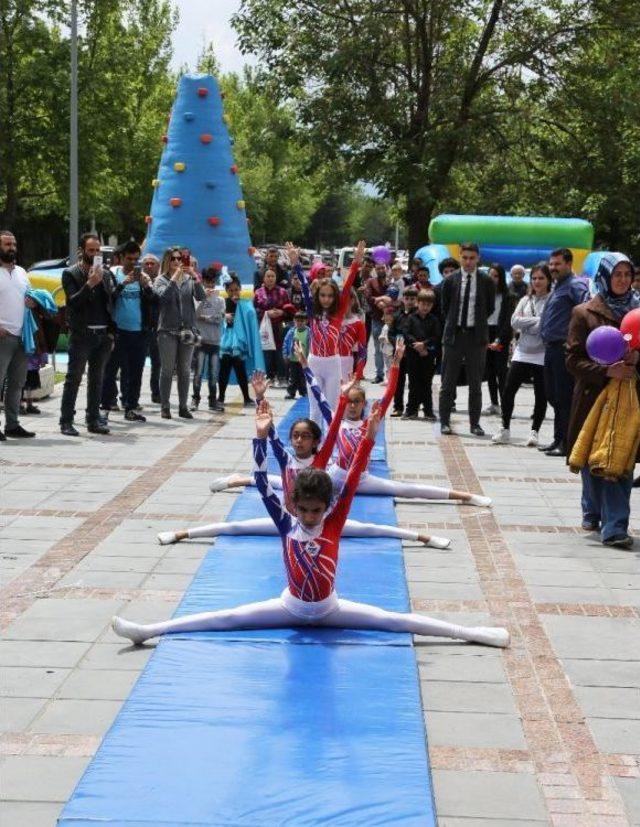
13 359
89 291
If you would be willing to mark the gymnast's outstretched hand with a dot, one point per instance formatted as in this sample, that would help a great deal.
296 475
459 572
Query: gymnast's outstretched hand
358 255
352 381
260 384
373 422
292 253
264 419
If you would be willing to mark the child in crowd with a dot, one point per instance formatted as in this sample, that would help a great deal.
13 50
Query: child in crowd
295 376
423 335
398 329
310 536
385 338
209 318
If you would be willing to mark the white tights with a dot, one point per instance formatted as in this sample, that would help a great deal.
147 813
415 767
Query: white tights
327 370
271 614
371 484
265 527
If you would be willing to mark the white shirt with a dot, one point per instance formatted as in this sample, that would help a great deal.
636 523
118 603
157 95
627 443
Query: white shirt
493 318
13 285
473 288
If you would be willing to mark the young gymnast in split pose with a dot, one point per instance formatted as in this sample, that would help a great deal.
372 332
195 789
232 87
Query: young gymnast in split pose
305 437
351 406
326 310
310 544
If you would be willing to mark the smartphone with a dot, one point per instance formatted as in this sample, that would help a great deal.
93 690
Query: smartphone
186 258
137 269
97 261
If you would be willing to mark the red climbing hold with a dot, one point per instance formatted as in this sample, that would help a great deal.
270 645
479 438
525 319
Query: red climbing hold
165 139
175 202
148 219
213 220
234 168
202 91
206 138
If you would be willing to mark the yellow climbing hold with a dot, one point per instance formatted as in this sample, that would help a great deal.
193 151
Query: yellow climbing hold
155 183
240 204
226 118
179 166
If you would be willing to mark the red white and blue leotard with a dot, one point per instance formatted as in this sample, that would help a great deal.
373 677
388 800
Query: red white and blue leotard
353 340
351 432
324 332
289 464
310 555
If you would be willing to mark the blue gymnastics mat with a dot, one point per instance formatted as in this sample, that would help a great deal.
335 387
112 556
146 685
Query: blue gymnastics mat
271 727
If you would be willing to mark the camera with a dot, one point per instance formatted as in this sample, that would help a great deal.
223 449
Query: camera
189 337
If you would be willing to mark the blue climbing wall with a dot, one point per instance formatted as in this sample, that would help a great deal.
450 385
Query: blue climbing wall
197 200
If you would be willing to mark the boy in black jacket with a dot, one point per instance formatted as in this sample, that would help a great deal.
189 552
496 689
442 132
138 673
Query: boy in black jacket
399 328
423 337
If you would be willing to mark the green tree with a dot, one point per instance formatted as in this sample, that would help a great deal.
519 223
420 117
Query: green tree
402 90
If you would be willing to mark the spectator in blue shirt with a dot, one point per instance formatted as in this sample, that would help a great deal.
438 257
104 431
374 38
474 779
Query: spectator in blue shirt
133 298
568 292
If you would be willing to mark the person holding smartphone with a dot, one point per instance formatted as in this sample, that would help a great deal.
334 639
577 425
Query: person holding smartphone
177 291
133 300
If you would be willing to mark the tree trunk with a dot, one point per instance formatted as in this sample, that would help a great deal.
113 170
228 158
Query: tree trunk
418 214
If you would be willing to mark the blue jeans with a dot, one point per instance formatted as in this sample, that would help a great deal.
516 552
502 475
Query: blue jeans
376 330
209 366
606 503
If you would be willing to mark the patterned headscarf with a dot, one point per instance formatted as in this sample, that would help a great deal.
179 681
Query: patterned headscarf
619 305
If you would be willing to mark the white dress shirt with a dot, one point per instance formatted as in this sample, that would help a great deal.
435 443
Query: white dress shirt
13 285
473 289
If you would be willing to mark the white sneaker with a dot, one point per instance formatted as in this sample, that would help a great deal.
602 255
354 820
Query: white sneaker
165 538
132 631
478 499
490 636
533 440
492 410
502 437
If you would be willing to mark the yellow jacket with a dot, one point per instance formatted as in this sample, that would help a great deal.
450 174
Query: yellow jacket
610 436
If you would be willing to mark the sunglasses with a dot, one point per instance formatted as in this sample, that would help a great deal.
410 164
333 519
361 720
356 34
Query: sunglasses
176 258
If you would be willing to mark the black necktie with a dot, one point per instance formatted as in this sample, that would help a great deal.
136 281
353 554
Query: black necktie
464 319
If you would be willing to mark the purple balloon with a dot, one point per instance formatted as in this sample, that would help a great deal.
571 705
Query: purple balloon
381 255
606 345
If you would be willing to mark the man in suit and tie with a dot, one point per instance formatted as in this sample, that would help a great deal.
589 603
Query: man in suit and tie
468 299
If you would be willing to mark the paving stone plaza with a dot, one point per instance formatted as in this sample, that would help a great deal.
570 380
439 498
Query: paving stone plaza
544 733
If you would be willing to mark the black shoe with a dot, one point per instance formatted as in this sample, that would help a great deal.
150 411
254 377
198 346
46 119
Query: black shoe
248 403
98 428
410 415
476 430
219 406
619 541
18 432
289 396
2 437
185 413
550 447
155 399
32 409
377 380
194 403
165 413
68 430
590 525
431 417
396 412
113 407
134 416
101 420
445 430
453 408
557 452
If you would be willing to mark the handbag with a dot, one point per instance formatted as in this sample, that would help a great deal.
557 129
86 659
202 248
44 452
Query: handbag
187 335
267 339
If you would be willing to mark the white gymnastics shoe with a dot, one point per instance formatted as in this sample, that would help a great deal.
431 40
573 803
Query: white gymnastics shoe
502 437
434 542
533 440
165 538
230 481
490 636
478 499
125 628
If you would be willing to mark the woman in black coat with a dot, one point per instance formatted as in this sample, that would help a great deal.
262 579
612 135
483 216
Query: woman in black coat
500 333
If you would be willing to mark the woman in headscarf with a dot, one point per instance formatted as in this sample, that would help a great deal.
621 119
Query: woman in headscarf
605 504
